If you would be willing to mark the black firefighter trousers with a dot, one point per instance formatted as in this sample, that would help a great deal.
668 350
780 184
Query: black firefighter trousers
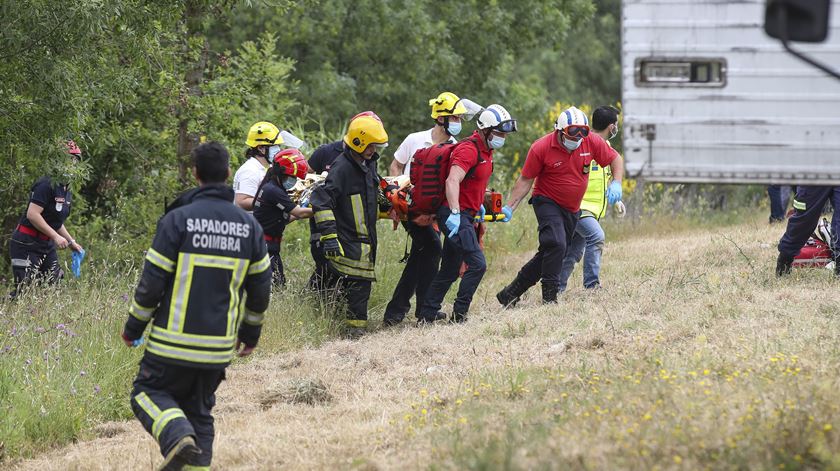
336 289
173 402
420 269
556 228
808 205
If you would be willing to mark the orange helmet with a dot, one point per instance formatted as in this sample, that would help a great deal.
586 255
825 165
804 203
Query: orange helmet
291 162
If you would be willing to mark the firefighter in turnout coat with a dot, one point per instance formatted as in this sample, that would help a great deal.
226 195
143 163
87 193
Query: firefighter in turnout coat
346 209
206 254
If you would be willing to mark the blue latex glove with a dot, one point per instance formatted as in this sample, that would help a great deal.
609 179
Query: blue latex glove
614 192
453 222
481 212
304 202
138 342
507 212
76 263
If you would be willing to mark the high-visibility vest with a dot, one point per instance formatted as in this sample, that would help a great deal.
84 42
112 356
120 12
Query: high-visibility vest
595 199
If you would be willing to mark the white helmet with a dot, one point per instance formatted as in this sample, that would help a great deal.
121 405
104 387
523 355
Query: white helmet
496 118
571 117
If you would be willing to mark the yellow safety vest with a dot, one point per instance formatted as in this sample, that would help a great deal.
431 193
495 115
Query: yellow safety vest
594 202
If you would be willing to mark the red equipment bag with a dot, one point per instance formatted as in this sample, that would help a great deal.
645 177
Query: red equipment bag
429 169
815 253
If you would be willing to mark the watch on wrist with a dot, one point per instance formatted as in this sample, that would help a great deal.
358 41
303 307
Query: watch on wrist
456 211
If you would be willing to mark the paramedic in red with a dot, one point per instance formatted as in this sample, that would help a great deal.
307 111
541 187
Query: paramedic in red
559 164
465 186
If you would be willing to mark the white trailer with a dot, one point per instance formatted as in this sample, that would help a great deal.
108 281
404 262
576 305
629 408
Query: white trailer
708 97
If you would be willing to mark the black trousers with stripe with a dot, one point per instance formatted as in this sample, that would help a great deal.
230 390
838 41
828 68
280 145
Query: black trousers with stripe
173 401
808 205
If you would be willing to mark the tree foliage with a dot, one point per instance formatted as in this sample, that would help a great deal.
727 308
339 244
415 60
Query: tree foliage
137 83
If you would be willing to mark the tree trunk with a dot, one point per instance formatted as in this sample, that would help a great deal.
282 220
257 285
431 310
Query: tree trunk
194 13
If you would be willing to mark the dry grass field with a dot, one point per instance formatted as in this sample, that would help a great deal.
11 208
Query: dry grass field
692 356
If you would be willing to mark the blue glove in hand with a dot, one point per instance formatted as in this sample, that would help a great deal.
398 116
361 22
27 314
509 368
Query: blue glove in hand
304 202
453 222
138 342
76 263
614 192
481 212
507 212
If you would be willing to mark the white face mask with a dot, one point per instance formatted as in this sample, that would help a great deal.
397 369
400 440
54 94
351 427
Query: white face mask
614 131
570 144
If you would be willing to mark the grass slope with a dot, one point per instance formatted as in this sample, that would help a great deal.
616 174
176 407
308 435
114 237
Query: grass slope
692 356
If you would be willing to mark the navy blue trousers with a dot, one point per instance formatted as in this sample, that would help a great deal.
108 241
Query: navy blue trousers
461 247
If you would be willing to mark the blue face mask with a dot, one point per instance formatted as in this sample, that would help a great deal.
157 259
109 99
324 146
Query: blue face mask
571 145
496 142
272 151
289 183
453 128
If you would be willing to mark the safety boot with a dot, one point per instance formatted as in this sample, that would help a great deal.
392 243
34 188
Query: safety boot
354 333
458 318
549 293
428 319
184 453
784 264
509 296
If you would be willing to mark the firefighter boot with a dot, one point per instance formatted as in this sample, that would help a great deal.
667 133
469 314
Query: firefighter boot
549 293
184 453
509 296
458 317
427 319
784 263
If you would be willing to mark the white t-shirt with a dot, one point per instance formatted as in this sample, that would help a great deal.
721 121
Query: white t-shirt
412 143
248 177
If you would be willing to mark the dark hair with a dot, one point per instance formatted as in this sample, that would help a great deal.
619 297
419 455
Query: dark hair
603 116
211 161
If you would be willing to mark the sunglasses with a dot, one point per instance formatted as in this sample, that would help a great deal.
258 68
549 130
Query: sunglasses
576 131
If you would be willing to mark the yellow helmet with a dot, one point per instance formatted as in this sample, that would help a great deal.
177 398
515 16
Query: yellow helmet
365 130
263 134
446 104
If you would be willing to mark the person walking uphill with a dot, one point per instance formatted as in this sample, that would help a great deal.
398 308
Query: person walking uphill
346 209
588 240
205 255
559 162
422 263
41 229
470 170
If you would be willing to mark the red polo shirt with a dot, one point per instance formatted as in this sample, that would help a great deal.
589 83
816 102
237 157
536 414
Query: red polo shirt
563 176
471 196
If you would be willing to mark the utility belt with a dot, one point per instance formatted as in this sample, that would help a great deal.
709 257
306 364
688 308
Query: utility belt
31 232
269 238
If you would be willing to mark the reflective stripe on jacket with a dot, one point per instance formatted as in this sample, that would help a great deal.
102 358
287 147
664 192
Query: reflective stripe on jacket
346 207
205 283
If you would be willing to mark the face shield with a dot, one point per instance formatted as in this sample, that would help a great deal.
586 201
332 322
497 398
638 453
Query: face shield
472 107
290 140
